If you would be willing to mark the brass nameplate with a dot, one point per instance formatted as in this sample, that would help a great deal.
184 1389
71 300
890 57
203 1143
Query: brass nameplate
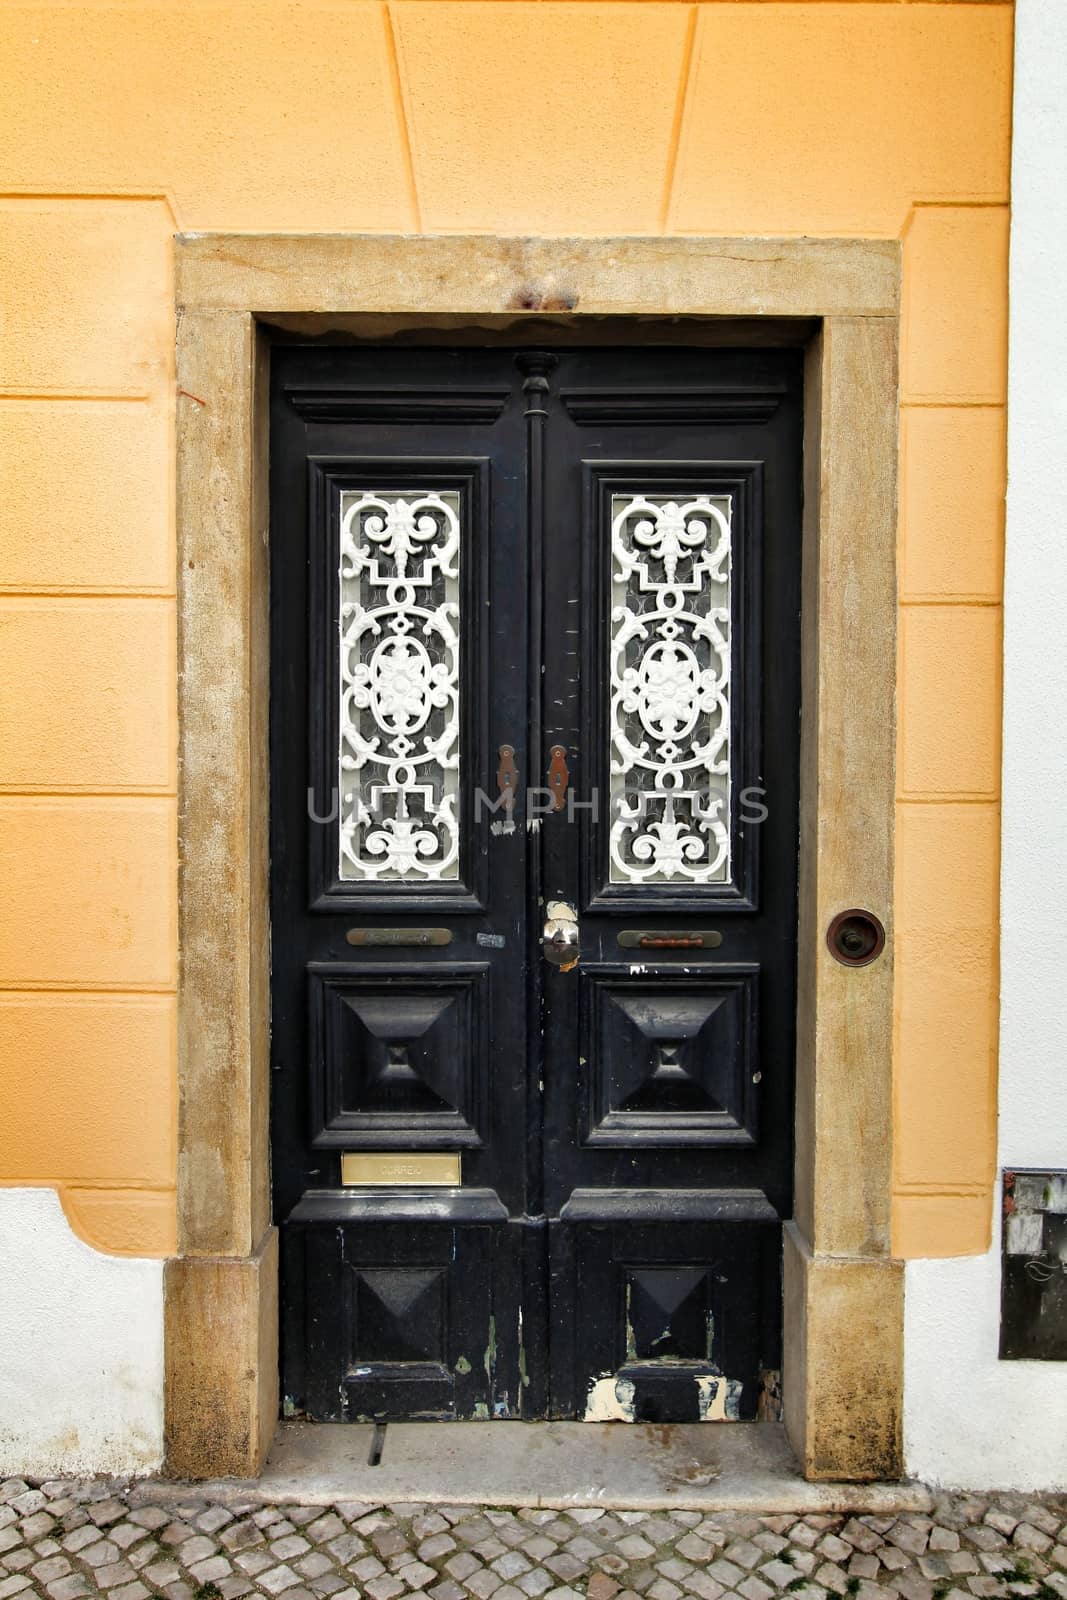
394 936
394 1171
678 939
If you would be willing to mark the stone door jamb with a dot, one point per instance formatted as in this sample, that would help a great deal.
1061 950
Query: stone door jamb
843 1368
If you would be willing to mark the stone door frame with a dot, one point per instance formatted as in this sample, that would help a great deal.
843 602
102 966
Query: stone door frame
843 1302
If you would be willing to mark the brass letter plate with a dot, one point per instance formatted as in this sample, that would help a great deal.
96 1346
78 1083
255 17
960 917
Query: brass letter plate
395 1171
375 936
678 939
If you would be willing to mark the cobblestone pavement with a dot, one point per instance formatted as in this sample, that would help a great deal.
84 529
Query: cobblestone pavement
63 1540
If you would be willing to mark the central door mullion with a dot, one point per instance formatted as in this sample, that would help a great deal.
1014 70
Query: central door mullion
565 758
535 366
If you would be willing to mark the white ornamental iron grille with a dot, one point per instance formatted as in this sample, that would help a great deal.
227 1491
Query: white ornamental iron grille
670 689
399 745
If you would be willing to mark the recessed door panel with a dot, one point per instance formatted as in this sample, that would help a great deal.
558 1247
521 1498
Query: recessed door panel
398 596
673 1322
399 1319
671 612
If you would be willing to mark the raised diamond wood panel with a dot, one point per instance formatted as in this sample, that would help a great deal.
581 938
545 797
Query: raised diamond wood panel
397 1314
671 1057
398 1056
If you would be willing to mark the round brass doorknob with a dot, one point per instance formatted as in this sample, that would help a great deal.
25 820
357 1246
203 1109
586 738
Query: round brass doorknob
559 937
560 942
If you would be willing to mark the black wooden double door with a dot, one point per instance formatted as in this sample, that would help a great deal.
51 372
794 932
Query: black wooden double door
534 729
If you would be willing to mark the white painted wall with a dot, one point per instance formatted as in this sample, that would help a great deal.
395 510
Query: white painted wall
81 1337
969 1419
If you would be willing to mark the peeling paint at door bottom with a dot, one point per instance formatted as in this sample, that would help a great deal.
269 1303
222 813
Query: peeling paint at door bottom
612 1398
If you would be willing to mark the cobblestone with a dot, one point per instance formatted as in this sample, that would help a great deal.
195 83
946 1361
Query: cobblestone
69 1540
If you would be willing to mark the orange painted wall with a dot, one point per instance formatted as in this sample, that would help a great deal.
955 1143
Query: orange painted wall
128 120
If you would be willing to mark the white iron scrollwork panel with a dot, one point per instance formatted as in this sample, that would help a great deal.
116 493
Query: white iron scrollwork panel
670 689
399 745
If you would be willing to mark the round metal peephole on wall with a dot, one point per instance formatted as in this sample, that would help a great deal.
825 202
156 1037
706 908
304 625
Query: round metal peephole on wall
856 938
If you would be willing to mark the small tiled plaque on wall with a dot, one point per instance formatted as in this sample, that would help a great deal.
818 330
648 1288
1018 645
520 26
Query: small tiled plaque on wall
1033 1294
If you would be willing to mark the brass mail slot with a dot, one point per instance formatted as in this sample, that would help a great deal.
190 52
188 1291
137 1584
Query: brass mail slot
396 1171
678 939
375 936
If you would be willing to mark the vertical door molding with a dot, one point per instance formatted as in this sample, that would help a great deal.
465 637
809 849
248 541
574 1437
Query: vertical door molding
220 1327
842 1379
843 1297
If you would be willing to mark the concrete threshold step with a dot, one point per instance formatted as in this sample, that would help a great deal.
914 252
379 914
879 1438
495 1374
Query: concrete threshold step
631 1466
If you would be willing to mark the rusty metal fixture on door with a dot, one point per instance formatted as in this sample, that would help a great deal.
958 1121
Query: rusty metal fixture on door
558 775
507 776
855 938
